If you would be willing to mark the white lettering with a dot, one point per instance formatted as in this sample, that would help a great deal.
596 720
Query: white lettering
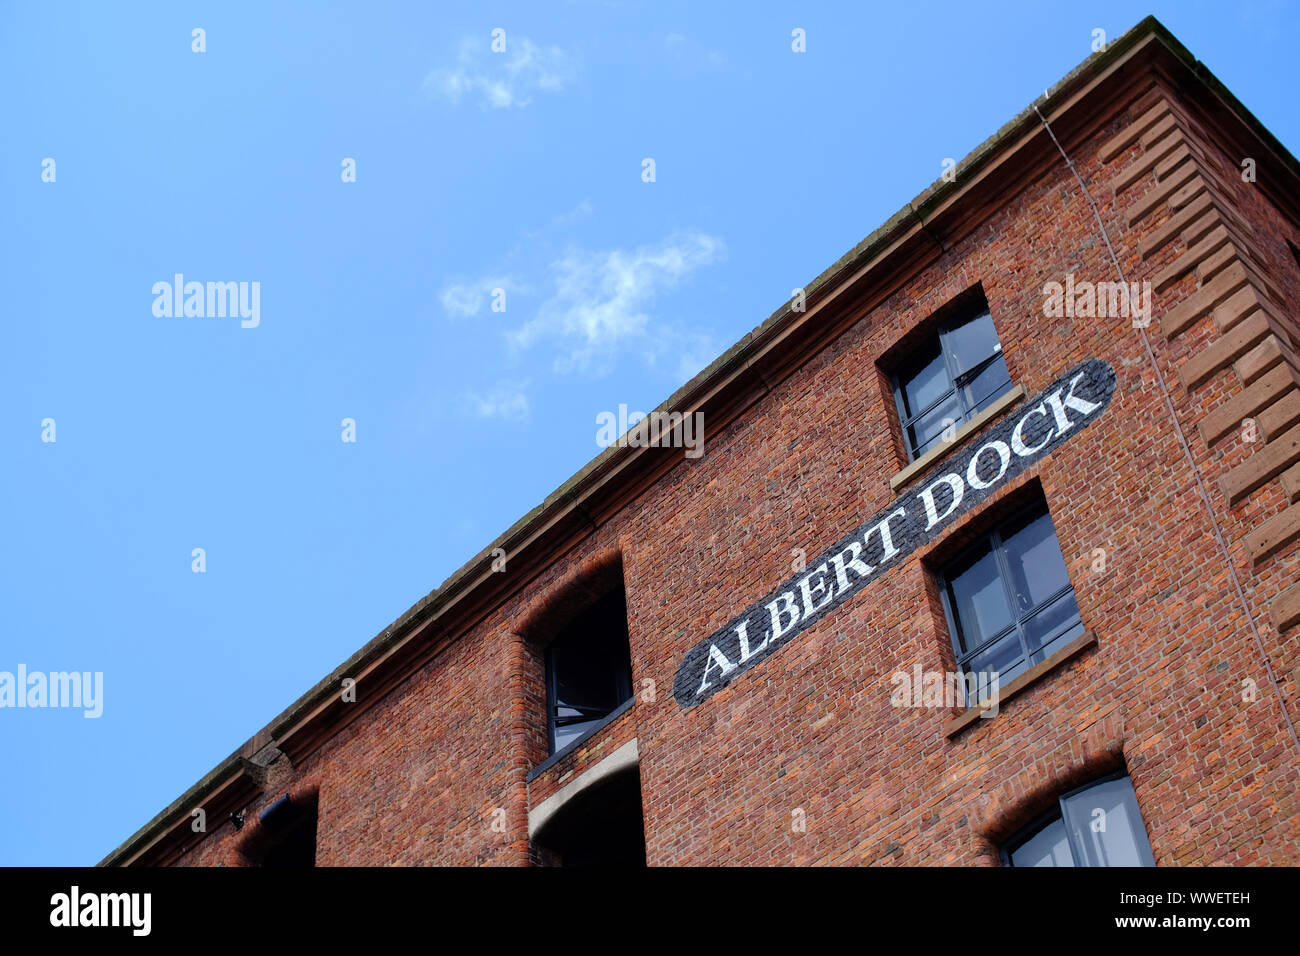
972 472
886 538
860 568
133 910
1018 439
742 633
954 482
808 607
1059 405
778 630
716 657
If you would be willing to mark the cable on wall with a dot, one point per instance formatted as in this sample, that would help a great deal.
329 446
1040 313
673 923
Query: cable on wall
1182 440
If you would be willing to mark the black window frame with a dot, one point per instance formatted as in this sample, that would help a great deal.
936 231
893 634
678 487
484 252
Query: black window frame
956 381
1044 820
624 686
993 539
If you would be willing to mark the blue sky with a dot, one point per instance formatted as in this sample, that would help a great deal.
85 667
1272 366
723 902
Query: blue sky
475 171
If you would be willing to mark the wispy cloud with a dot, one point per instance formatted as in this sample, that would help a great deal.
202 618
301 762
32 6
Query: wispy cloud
690 56
507 401
694 352
578 213
601 298
502 80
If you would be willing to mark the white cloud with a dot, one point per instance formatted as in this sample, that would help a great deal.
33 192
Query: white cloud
600 301
502 80
506 401
694 355
584 210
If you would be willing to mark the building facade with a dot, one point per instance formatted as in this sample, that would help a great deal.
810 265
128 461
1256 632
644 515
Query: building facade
990 558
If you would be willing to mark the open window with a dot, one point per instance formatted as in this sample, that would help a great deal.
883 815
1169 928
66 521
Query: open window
588 671
949 374
285 837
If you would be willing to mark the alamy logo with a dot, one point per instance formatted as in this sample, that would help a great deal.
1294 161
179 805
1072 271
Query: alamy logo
656 430
213 300
1101 300
946 689
74 908
55 689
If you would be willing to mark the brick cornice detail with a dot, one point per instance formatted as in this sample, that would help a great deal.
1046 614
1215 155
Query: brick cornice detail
1256 332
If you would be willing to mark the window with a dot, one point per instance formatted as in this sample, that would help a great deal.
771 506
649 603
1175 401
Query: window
957 372
588 671
601 826
1096 825
286 836
1008 598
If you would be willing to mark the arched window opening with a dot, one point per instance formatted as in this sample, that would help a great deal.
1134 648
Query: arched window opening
601 826
1096 825
285 836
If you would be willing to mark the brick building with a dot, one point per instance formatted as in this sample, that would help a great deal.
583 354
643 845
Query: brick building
1042 427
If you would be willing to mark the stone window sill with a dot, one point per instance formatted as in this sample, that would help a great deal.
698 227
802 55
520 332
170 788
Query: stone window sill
1070 651
966 430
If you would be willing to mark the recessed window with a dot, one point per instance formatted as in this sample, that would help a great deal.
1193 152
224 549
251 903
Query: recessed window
1096 825
1008 598
286 835
601 826
588 671
958 371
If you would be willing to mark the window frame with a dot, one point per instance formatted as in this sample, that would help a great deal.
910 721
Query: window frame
596 722
956 381
1019 618
1047 818
625 682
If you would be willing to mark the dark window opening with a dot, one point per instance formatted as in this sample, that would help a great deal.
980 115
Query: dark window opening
1096 825
1008 598
588 671
286 835
954 374
1295 251
602 826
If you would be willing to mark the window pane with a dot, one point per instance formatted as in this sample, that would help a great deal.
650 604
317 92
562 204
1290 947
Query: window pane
972 342
565 735
1052 626
587 687
1003 657
1034 557
1106 826
1048 847
927 431
587 675
924 379
991 382
978 599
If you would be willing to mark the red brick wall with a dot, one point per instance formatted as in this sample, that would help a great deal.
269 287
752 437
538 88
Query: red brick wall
418 777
